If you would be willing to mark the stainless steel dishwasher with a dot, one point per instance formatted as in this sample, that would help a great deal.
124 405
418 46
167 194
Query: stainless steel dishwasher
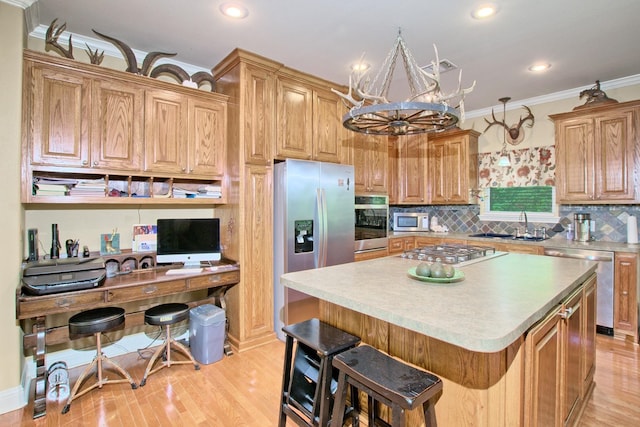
604 310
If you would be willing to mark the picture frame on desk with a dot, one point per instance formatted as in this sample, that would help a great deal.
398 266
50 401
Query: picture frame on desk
110 244
144 238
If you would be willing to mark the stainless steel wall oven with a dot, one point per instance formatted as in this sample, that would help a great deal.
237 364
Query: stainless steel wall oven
371 222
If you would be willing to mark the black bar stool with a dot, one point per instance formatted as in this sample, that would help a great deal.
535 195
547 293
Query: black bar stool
167 315
308 379
95 322
386 380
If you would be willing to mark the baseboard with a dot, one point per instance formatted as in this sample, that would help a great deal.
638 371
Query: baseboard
12 399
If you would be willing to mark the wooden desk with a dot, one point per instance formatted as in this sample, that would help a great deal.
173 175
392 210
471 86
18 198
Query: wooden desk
138 285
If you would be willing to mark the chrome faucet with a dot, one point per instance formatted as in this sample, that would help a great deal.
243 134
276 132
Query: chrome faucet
526 223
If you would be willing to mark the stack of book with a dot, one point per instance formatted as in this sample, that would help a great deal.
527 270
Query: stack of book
89 188
212 191
52 186
183 193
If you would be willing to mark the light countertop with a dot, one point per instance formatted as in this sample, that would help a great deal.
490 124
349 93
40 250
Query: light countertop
498 300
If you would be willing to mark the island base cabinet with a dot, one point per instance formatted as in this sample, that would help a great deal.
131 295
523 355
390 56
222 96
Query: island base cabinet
542 379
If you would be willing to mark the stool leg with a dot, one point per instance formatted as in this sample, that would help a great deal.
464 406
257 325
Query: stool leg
429 414
79 381
286 378
337 418
398 418
152 361
182 349
371 410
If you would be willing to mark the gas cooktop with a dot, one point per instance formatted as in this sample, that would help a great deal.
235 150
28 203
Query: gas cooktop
448 254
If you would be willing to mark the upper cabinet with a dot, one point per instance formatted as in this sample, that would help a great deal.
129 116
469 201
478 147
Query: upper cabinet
453 166
85 122
595 152
412 169
370 161
308 120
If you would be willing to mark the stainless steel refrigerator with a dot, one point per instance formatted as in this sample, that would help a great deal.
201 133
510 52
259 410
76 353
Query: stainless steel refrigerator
313 224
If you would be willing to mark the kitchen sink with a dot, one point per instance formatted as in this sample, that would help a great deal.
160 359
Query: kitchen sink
493 235
506 237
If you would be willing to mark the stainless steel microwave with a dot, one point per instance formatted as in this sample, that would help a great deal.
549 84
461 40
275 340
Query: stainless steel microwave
410 221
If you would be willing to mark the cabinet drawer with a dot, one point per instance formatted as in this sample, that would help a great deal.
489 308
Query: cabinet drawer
149 290
203 282
396 245
59 304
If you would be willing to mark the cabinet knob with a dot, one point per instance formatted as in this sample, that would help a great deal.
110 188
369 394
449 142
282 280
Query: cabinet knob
84 162
625 293
184 169
566 313
95 163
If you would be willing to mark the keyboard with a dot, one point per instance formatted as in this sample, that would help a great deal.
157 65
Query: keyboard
178 271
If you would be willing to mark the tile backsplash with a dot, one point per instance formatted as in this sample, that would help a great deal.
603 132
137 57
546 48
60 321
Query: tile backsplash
535 166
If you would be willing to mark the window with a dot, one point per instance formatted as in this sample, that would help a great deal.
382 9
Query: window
507 204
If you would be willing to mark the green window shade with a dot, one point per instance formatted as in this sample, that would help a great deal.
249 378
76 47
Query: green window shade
515 199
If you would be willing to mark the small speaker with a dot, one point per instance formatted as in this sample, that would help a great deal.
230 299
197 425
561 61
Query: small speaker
33 244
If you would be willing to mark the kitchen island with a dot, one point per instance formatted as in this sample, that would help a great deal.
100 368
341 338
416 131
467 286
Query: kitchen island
492 337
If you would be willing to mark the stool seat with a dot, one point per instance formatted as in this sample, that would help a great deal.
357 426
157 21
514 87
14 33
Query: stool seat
166 314
96 320
308 377
386 380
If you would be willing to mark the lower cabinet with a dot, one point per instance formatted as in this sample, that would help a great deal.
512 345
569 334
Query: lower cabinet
625 296
560 355
397 245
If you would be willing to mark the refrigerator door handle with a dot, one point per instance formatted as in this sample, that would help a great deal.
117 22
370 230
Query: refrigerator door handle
321 201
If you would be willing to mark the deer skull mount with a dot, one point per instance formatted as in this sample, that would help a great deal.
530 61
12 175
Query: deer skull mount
514 134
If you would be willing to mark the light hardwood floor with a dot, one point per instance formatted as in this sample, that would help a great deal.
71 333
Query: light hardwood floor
243 390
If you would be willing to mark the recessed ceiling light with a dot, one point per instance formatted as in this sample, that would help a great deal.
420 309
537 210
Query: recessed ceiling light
234 10
360 67
538 68
485 11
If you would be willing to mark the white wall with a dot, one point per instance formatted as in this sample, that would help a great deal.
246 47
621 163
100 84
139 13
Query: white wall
11 34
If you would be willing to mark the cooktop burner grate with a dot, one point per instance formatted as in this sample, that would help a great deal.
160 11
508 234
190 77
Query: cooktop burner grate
448 254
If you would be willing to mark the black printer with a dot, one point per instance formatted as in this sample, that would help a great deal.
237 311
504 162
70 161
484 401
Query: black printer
63 275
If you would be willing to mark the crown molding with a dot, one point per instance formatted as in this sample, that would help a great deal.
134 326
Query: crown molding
23 4
556 96
81 42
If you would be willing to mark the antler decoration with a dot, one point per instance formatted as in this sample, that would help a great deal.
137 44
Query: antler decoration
51 39
182 76
95 57
132 62
515 137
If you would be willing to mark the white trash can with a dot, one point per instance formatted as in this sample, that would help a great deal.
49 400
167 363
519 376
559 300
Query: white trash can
206 333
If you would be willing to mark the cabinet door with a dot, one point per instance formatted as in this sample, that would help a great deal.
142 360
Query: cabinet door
117 118
613 156
327 126
543 373
456 172
574 154
393 184
572 357
625 298
165 132
59 117
437 172
370 163
412 169
207 137
294 120
258 111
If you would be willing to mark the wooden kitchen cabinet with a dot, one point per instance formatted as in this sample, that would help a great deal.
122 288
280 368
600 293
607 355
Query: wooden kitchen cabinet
560 354
80 122
393 177
139 136
625 296
595 153
363 256
397 245
453 167
370 161
412 169
308 122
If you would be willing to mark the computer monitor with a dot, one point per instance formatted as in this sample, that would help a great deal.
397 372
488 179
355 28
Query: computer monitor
189 241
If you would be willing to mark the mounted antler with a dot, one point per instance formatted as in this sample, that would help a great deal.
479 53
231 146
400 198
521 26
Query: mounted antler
51 39
514 131
132 62
95 57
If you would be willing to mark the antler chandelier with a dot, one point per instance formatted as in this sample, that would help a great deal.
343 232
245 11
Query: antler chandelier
426 110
